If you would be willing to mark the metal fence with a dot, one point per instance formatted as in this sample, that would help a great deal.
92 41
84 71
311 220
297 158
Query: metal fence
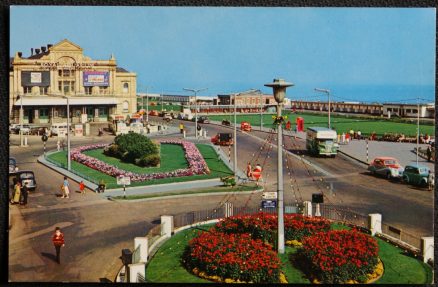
153 234
188 218
402 236
342 215
64 166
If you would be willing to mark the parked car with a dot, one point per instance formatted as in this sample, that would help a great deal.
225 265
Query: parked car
13 127
203 120
25 129
225 139
245 126
28 177
58 128
226 122
12 166
416 174
386 166
167 117
153 113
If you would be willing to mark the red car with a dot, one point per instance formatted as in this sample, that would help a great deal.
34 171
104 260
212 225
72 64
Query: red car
245 126
222 139
386 166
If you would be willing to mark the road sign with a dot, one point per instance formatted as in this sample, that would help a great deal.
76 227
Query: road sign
269 195
123 180
269 203
44 138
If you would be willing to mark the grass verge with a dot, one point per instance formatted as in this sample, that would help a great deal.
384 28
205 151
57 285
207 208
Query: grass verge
215 164
339 123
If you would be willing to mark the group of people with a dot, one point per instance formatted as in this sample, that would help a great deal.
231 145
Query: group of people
20 193
65 188
345 138
255 174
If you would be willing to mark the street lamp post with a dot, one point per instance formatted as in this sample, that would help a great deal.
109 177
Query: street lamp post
21 120
328 94
68 134
196 91
261 112
235 137
418 127
279 86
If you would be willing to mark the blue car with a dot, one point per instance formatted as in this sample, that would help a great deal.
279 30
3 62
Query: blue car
416 174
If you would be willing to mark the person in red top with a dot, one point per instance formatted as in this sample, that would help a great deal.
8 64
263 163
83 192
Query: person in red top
82 187
257 173
58 241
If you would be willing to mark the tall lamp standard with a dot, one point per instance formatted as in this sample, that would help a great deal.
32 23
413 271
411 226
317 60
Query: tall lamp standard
328 94
68 131
279 86
147 104
196 91
21 120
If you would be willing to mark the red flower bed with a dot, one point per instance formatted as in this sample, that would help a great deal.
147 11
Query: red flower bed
264 226
234 256
340 255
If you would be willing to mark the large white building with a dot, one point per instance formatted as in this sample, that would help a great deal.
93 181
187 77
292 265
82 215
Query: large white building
40 83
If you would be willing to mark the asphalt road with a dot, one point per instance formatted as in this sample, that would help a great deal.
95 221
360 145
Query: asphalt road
97 229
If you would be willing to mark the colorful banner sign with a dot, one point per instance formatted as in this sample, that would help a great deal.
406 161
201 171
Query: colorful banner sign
96 78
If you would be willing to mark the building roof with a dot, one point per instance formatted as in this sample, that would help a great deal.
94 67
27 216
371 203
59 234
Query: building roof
121 70
38 56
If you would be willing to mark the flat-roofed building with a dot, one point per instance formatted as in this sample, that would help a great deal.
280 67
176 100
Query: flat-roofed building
97 89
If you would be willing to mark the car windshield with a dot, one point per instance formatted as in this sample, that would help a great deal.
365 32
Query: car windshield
390 162
12 161
26 175
422 170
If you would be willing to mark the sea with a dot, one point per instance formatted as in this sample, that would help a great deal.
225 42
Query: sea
408 94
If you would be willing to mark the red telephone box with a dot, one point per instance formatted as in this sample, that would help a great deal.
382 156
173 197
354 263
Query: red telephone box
300 124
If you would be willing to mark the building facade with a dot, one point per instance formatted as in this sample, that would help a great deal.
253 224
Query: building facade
41 83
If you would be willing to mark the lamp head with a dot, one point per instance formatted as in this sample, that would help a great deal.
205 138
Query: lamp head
279 86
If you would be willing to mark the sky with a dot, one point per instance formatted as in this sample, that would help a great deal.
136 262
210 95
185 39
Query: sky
235 49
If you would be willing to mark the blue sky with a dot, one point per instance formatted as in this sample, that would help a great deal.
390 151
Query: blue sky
234 49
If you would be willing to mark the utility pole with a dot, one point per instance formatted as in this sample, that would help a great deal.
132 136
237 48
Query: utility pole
328 94
418 126
279 86
195 91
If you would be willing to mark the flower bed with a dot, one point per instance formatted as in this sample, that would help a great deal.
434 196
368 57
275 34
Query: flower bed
263 226
196 162
340 256
232 258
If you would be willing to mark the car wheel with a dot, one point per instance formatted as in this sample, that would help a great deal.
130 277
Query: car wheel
405 179
388 175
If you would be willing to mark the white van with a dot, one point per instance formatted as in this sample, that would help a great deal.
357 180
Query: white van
57 128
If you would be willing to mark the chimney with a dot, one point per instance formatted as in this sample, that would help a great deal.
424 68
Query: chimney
37 51
49 46
43 49
31 51
20 54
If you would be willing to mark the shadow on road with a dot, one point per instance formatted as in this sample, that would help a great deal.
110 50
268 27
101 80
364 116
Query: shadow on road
49 255
105 280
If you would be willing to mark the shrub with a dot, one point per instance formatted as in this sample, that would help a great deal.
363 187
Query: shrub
264 226
338 256
133 148
233 256
148 160
112 150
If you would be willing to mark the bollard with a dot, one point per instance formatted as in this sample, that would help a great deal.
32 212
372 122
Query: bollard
427 248
317 211
367 149
136 271
228 209
307 208
25 141
143 243
184 133
166 225
375 223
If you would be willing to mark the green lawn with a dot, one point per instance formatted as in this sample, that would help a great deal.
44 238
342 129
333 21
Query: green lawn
236 188
172 157
166 267
216 166
341 124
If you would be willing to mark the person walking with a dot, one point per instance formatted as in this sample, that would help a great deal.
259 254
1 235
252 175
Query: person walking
58 145
101 186
24 194
249 170
66 189
181 128
430 180
359 135
343 138
58 242
257 173
82 187
199 130
429 153
17 193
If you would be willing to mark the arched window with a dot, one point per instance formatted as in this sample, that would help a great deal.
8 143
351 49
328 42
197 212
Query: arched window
125 88
125 106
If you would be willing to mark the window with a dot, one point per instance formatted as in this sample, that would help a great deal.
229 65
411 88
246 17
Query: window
125 106
44 113
103 112
88 90
43 90
408 110
66 81
125 87
27 90
389 109
415 111
103 90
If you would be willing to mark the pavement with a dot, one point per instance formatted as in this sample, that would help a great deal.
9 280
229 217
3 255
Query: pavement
403 152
